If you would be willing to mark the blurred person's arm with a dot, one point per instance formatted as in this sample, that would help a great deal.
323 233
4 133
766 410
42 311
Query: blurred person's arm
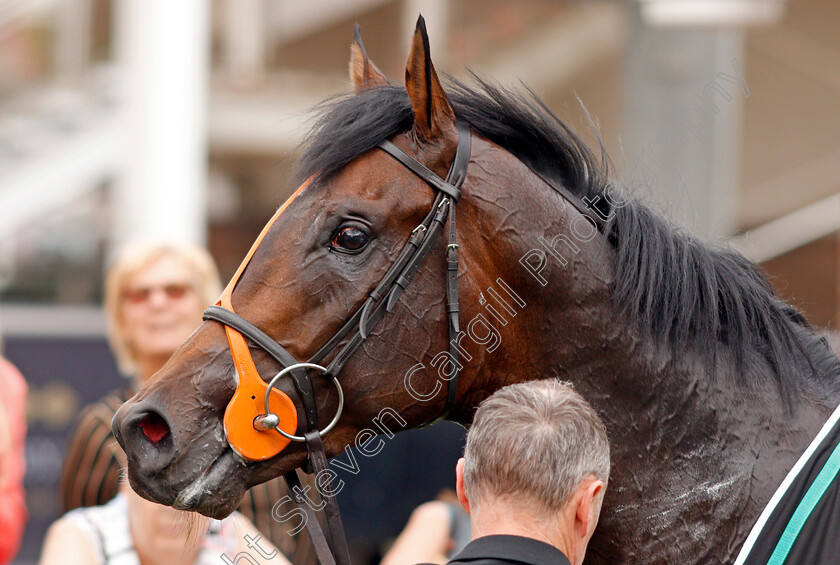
66 544
5 446
90 473
13 514
426 537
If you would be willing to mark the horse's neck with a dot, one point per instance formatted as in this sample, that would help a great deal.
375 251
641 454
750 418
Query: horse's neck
562 322
703 452
706 452
685 444
688 446
548 296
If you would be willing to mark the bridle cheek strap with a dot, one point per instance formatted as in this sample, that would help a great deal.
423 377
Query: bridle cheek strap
247 403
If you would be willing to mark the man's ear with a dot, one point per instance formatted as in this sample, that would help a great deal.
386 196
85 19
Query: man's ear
363 73
588 508
459 485
433 116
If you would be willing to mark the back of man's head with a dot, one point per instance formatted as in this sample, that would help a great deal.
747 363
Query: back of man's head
531 445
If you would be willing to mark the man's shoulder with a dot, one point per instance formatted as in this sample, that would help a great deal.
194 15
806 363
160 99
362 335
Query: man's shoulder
505 549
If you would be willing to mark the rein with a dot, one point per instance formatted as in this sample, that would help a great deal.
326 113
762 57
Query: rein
257 408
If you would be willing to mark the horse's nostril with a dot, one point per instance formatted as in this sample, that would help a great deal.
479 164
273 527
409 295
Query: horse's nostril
147 437
154 427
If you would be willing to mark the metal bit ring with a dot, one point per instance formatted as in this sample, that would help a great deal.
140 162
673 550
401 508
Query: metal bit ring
268 416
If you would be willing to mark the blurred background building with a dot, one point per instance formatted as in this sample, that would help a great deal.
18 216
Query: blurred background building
126 119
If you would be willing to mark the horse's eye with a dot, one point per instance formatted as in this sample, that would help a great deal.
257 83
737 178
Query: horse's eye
349 239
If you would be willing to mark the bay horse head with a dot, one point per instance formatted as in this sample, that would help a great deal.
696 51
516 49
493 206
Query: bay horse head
318 262
681 347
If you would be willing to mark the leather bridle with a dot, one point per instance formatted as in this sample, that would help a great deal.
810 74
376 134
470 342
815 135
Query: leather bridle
256 408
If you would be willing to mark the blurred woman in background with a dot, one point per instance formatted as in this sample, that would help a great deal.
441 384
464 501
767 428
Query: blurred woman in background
154 298
133 531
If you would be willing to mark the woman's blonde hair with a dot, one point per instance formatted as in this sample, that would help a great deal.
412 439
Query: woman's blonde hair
134 259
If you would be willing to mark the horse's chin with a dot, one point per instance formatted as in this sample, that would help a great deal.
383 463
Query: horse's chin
216 493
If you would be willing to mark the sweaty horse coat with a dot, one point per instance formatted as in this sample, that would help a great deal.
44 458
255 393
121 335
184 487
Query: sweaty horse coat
710 386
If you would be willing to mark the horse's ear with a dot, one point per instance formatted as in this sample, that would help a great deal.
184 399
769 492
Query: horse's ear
363 73
432 113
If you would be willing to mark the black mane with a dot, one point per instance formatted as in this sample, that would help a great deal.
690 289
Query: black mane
681 293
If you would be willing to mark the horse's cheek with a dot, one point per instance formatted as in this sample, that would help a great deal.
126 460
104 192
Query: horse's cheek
213 379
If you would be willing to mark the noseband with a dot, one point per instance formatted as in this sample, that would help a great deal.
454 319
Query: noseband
257 408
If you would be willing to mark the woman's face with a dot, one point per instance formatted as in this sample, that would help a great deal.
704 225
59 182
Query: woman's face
159 309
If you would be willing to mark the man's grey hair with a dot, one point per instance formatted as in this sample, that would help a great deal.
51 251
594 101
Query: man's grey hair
534 442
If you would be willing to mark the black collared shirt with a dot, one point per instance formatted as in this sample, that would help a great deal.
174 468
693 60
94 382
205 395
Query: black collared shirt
514 550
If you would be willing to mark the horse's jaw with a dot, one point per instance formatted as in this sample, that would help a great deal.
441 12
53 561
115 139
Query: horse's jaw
218 487
215 492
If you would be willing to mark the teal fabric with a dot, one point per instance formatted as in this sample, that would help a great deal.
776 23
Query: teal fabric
812 497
